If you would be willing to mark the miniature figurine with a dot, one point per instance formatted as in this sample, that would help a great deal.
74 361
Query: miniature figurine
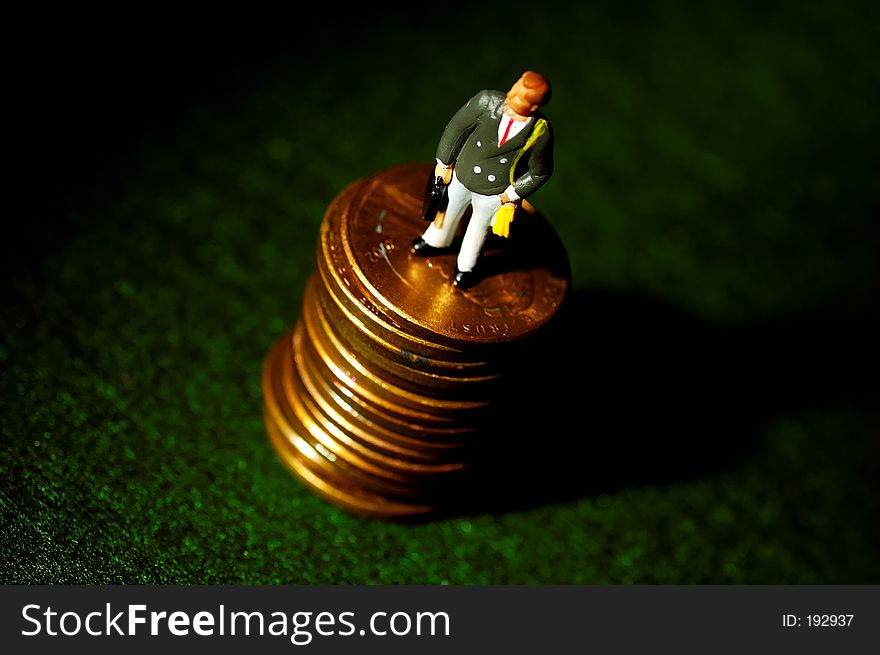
487 143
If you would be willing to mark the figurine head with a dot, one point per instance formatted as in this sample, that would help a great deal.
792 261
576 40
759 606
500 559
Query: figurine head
530 91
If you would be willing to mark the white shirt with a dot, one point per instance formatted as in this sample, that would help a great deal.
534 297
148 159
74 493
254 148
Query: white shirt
515 127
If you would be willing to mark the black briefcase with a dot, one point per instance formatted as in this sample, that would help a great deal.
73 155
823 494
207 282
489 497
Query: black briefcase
436 197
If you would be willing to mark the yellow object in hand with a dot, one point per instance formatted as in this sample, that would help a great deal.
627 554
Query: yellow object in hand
504 216
503 219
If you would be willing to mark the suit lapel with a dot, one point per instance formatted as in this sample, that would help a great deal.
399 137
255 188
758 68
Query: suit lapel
518 141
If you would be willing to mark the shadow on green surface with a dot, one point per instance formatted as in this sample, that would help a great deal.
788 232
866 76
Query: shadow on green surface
632 391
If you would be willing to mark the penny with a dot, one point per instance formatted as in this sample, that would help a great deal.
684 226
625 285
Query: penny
525 280
411 371
312 439
379 398
371 383
369 440
401 439
428 432
350 295
365 461
357 332
340 491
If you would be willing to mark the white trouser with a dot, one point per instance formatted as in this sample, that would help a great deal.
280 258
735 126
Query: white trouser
477 230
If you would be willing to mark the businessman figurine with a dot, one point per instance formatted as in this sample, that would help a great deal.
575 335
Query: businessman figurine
495 151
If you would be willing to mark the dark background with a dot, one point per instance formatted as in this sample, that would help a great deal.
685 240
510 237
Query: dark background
709 417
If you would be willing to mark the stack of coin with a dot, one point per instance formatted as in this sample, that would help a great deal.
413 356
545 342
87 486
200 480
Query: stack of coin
380 397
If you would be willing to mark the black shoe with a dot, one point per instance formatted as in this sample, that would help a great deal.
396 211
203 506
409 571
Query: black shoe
464 279
422 248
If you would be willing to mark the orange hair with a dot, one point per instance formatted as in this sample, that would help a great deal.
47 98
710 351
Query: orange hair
537 88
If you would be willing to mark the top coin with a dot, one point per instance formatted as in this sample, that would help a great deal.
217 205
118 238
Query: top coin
523 279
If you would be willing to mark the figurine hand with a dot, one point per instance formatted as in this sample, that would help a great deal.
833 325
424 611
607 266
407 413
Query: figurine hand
443 172
505 200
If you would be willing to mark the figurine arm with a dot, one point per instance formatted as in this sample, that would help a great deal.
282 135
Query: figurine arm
458 129
509 195
540 166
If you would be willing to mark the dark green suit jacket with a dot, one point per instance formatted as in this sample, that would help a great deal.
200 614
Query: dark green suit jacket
471 141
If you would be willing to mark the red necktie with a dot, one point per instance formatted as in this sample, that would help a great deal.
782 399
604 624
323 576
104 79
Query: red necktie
506 131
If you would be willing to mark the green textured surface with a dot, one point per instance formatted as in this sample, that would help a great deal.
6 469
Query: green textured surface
722 165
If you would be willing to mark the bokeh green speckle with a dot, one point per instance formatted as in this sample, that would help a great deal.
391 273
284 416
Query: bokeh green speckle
721 161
